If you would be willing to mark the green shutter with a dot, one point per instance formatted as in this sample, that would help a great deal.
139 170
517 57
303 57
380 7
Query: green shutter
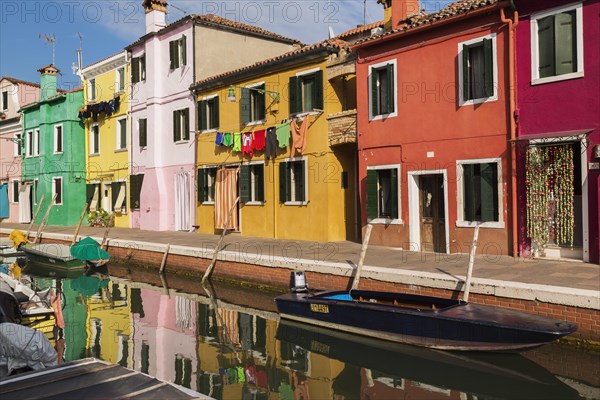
466 89
114 192
202 115
489 192
295 95
245 183
390 88
488 56
186 124
89 192
183 51
394 193
300 181
374 93
135 70
135 188
143 132
565 42
319 88
214 123
172 54
143 67
469 198
372 195
259 181
260 104
283 182
546 46
245 106
200 185
176 125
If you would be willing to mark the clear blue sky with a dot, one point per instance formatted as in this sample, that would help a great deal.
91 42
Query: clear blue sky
107 26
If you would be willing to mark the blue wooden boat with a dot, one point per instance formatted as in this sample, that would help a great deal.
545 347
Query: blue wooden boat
422 320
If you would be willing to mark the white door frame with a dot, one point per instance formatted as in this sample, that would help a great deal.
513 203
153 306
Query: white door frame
25 203
414 223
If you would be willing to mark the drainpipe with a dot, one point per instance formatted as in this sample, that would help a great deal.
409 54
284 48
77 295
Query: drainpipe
512 25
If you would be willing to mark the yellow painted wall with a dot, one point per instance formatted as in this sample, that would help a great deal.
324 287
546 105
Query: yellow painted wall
322 219
111 164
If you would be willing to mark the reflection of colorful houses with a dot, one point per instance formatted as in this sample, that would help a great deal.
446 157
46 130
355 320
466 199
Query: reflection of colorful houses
558 82
107 131
14 94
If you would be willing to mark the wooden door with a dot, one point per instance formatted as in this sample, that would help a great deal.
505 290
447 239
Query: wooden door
432 213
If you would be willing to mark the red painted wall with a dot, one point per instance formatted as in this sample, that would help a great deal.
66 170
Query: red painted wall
431 120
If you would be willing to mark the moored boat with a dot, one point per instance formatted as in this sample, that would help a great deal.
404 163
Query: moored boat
54 256
422 320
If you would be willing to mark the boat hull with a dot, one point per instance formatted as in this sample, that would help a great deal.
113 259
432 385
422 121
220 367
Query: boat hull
454 325
54 257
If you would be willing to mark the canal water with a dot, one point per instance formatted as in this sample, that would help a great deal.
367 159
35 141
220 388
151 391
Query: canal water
233 346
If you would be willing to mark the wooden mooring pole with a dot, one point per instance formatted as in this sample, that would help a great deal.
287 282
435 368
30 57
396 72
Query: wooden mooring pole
471 262
37 210
44 220
111 221
164 259
85 207
216 253
361 260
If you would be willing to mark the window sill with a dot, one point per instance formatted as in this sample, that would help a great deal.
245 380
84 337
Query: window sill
120 150
182 141
94 154
382 116
478 101
295 203
58 153
254 123
386 221
208 203
212 130
254 203
557 78
473 224
305 113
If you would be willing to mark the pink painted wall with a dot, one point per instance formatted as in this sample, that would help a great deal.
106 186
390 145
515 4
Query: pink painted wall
567 105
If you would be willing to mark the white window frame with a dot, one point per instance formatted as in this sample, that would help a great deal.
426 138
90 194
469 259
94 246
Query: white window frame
535 72
494 97
208 98
4 104
292 187
301 74
62 139
36 142
254 85
180 50
12 190
370 91
34 190
181 138
215 167
92 90
387 221
460 190
121 146
62 192
18 145
118 88
29 142
93 141
253 202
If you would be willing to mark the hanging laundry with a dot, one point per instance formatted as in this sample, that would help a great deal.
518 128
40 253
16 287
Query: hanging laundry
299 136
283 134
259 140
237 141
228 139
271 143
247 148
219 139
241 375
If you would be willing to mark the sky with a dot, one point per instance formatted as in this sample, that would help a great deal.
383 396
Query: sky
105 27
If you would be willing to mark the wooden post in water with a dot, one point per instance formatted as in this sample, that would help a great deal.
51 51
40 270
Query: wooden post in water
361 260
37 210
471 262
164 259
111 221
85 206
45 219
216 253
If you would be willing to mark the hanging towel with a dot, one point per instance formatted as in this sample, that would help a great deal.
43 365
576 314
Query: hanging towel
299 136
228 139
237 141
271 151
247 148
283 135
219 139
259 140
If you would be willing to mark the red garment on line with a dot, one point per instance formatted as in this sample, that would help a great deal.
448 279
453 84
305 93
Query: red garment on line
259 141
247 148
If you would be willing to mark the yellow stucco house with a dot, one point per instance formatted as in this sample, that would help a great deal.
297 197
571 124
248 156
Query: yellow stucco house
265 136
107 126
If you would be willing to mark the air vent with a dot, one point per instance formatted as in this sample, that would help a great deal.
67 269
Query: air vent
377 31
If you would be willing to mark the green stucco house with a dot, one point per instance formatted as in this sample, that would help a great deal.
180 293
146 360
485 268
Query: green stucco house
54 152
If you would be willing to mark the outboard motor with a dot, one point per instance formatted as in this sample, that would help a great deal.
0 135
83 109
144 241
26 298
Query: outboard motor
298 282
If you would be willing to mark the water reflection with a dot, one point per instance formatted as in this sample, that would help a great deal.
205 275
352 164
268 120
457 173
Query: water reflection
232 349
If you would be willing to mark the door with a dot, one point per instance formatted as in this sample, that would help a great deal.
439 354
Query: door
432 213
107 197
25 203
4 205
183 220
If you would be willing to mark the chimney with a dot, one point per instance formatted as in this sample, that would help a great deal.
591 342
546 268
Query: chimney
48 81
395 11
155 14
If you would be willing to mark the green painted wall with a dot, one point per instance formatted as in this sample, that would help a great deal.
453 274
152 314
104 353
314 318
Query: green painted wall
69 165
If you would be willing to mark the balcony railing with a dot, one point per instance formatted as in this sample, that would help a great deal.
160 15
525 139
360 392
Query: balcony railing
342 128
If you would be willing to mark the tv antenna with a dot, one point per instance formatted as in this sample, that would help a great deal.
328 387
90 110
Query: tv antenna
50 39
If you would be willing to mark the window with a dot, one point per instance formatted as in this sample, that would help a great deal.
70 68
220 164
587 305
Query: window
118 191
138 69
58 139
177 53
122 134
181 127
120 80
557 44
15 191
29 144
382 89
382 193
252 183
143 132
206 184
5 100
92 89
478 192
292 182
19 144
135 190
35 191
92 194
208 113
477 70
36 142
306 91
57 190
94 139
252 104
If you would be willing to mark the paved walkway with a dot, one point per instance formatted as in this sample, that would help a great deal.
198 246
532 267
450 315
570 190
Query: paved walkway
574 275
